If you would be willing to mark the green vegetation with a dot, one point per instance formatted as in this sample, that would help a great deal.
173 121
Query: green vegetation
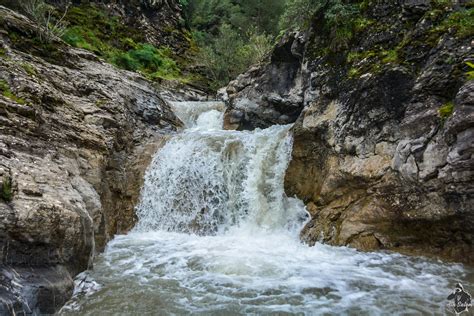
42 14
232 35
228 55
446 110
147 59
6 92
461 21
93 29
30 70
226 37
298 14
354 73
389 56
6 193
371 61
470 72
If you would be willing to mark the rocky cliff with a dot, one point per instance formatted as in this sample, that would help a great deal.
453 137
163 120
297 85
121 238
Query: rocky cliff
76 135
384 132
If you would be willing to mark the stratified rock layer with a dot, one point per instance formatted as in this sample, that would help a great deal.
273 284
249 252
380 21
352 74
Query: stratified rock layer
378 162
75 139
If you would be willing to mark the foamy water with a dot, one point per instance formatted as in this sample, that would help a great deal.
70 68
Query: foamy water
218 236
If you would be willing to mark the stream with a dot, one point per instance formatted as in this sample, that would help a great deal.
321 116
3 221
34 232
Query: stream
216 235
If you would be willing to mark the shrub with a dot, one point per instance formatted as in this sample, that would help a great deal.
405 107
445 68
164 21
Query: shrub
97 31
259 47
43 15
125 61
229 54
298 13
340 19
151 61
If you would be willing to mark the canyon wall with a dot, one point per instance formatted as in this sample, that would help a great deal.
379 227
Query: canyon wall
384 127
76 135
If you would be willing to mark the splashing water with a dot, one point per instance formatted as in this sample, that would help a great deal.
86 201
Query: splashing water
217 235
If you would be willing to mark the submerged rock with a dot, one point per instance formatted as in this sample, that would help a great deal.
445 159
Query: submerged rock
383 130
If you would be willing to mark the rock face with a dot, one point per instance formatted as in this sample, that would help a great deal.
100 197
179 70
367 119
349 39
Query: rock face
383 139
272 94
159 21
75 139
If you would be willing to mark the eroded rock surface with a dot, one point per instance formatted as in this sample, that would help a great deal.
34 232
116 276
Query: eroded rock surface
75 139
378 157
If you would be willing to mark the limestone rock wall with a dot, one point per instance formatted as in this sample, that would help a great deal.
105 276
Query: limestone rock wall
378 158
75 139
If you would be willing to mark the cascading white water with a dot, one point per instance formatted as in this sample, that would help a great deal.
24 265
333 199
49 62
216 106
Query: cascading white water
218 236
207 180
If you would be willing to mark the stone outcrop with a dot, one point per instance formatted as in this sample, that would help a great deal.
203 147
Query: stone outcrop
75 138
383 134
159 22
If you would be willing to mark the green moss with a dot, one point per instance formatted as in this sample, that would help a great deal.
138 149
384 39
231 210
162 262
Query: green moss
30 70
389 56
100 102
354 73
370 61
6 193
446 110
354 57
105 35
461 21
470 72
362 23
6 92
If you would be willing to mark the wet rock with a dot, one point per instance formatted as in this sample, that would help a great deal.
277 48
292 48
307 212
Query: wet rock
272 94
74 143
373 159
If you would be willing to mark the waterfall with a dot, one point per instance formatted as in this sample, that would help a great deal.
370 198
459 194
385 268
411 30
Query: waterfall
216 235
206 180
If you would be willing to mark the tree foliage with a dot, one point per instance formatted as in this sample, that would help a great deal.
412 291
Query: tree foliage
232 34
229 54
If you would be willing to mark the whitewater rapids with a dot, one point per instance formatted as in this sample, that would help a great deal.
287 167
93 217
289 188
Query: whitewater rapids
217 235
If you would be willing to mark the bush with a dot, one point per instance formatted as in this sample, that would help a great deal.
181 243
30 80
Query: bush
105 35
340 19
125 61
43 15
298 13
229 54
149 60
